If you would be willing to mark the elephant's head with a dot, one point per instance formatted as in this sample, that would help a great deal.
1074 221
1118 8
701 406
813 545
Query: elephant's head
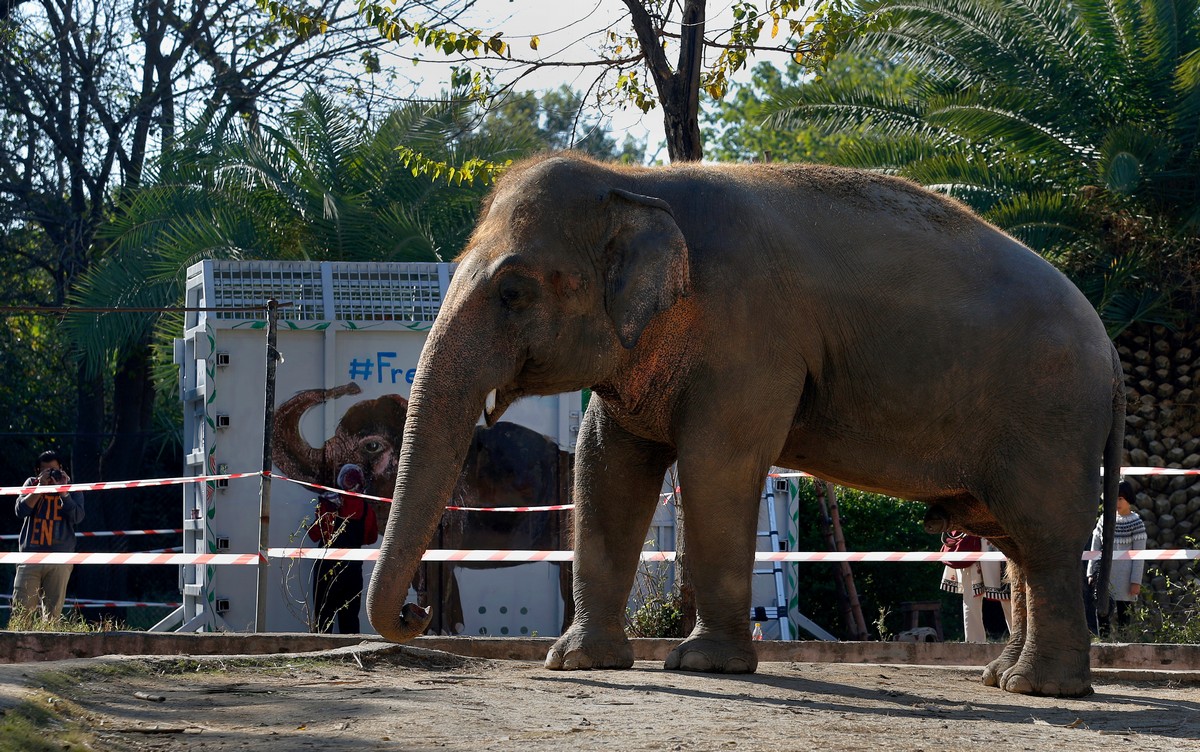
564 272
368 437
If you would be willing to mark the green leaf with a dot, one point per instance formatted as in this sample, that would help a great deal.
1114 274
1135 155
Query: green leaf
1123 172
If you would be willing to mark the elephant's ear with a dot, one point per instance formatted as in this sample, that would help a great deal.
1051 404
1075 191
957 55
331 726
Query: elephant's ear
647 263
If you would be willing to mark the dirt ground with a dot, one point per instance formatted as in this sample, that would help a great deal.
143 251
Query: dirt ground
404 698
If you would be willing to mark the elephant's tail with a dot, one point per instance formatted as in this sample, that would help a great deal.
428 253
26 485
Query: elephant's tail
1112 477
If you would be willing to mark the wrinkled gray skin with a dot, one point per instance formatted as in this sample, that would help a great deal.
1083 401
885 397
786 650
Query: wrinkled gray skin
734 317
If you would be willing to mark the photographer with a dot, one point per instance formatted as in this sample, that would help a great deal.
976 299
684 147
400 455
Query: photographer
342 521
48 523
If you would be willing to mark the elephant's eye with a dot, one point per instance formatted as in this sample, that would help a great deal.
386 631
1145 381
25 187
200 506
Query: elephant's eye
373 446
516 292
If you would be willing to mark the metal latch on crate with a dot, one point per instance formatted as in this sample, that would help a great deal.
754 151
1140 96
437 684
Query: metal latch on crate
573 421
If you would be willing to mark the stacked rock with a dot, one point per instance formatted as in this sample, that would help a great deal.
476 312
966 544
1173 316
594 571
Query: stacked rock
1162 429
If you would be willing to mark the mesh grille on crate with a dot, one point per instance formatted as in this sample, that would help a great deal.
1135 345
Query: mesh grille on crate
247 284
408 292
386 292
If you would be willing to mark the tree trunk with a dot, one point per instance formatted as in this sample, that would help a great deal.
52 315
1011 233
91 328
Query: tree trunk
133 406
89 427
678 90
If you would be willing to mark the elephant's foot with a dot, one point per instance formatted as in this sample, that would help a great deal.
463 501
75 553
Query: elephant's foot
1006 660
713 656
578 650
1066 676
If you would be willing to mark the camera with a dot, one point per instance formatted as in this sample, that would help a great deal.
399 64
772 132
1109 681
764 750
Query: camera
56 474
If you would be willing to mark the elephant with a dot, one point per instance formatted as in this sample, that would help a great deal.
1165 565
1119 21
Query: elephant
728 318
507 465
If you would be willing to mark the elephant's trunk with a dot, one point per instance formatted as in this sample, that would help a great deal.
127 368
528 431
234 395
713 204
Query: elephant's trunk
447 398
291 453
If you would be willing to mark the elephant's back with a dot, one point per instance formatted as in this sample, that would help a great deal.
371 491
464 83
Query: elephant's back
844 236
857 255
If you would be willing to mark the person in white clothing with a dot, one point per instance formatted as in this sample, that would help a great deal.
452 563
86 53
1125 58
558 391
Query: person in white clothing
976 582
1125 582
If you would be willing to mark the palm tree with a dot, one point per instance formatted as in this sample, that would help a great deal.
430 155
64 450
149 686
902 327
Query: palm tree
1075 126
321 185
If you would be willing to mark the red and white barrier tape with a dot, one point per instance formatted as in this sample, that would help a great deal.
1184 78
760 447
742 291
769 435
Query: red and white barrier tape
370 554
1158 471
12 491
1132 470
549 507
110 533
433 554
517 556
125 484
129 558
111 484
1166 554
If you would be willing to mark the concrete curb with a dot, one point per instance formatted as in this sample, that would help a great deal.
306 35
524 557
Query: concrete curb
1105 656
31 647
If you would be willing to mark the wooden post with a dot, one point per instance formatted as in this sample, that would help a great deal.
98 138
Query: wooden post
847 576
831 528
264 481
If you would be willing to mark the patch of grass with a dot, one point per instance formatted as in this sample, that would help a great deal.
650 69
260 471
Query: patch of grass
71 621
221 664
44 723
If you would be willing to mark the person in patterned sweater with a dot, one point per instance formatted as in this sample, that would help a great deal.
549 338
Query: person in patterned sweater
1126 580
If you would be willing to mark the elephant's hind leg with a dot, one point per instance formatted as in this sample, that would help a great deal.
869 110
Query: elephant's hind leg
1055 652
1049 653
1016 641
617 481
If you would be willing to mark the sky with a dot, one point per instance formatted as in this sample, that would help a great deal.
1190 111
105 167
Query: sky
570 31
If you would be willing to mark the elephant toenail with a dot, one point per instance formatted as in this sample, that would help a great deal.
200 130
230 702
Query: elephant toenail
1018 685
695 661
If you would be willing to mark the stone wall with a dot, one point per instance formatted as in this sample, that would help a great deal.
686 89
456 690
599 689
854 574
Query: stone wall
1162 429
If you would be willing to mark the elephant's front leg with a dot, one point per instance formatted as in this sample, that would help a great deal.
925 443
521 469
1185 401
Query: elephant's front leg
617 480
720 498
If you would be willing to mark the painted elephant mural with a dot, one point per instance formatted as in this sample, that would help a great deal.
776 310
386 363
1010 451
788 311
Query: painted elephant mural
368 435
506 465
731 317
